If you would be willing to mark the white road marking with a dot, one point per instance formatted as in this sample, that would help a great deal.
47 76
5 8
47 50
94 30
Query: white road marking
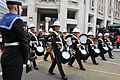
0 73
112 63
111 73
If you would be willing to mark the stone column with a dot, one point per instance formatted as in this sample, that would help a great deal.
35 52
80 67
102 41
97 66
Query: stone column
105 12
32 18
62 15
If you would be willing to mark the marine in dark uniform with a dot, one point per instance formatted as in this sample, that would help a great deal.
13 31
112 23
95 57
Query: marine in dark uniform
76 48
56 50
91 47
49 50
108 43
33 42
16 42
100 46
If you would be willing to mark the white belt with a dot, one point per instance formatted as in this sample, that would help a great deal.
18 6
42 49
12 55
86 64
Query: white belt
12 44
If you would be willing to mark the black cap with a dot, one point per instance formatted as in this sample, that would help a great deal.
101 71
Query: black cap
13 3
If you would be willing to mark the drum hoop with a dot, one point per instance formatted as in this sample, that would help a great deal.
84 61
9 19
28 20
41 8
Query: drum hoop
83 39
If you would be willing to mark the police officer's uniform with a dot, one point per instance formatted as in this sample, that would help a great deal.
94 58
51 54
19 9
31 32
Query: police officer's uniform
16 44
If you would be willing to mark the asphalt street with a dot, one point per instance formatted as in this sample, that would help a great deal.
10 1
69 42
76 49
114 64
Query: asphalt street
106 70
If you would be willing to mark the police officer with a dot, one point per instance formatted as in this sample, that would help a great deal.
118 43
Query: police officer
33 42
100 46
108 43
56 49
75 41
15 40
91 45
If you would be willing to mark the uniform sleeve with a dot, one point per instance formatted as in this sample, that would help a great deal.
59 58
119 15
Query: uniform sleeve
22 38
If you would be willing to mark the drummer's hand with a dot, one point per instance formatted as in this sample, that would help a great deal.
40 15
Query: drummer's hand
30 43
73 41
29 63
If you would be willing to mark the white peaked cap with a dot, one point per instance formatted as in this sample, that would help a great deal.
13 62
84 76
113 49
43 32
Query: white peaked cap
106 34
57 23
90 33
13 0
75 30
50 30
40 30
100 34
64 30
32 25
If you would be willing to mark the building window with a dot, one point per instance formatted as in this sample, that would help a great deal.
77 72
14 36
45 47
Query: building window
109 6
100 5
71 14
24 13
92 3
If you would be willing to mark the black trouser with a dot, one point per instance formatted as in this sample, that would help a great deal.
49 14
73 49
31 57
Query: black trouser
59 64
110 53
12 72
92 54
34 61
102 52
77 57
46 55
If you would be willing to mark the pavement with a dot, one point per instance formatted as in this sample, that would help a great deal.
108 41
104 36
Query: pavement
106 70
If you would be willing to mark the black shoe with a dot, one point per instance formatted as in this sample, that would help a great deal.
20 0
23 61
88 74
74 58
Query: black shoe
45 60
71 65
36 68
51 73
83 69
111 57
96 63
104 59
65 78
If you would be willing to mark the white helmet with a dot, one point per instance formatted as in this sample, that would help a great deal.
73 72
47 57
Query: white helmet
31 26
106 34
75 30
50 30
100 34
64 30
90 33
57 23
40 30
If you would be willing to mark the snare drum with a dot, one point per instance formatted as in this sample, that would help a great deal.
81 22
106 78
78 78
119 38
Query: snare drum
65 56
39 51
105 48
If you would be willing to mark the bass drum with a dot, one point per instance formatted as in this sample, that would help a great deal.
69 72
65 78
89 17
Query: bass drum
65 56
39 51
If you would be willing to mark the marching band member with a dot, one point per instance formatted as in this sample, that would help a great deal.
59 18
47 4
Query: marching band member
109 45
56 40
75 41
101 46
48 46
91 47
32 36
